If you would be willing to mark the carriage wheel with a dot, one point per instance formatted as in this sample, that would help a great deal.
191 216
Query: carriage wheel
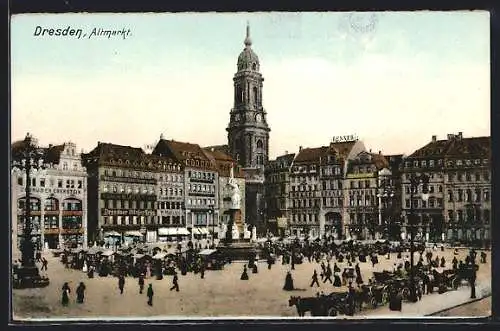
373 302
332 311
385 298
405 292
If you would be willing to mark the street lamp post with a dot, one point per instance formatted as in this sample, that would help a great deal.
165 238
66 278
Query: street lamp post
31 158
211 211
415 181
386 193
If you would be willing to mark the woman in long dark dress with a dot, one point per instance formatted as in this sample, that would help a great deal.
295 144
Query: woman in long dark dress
288 282
244 275
80 293
336 281
65 294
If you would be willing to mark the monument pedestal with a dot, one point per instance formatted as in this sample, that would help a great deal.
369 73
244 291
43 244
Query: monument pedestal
236 248
28 277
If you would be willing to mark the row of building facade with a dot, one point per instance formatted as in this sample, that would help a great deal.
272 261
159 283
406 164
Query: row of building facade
177 190
344 190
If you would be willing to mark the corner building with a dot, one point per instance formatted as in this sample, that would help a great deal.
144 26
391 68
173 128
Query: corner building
459 206
58 198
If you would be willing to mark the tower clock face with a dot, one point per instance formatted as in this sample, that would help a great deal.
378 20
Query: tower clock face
258 118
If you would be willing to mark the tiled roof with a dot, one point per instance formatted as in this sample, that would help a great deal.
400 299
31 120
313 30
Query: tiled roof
310 154
343 149
221 148
53 153
186 153
454 147
223 163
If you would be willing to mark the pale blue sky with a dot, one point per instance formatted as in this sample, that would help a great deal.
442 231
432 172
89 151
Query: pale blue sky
426 70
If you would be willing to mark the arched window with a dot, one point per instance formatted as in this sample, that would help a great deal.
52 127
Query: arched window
255 96
254 66
259 143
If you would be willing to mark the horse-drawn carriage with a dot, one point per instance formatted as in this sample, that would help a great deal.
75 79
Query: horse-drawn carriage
334 304
390 282
28 277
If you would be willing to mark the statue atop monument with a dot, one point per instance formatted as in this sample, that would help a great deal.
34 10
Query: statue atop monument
235 191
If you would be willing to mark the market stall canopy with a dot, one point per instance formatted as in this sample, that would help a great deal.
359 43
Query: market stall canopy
160 256
94 250
202 230
133 234
112 234
173 232
207 252
107 253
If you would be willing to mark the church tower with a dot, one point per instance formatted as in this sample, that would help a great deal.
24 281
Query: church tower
248 132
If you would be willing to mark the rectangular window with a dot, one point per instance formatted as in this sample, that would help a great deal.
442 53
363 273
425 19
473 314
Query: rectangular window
486 195
20 181
33 182
68 183
72 183
42 182
80 184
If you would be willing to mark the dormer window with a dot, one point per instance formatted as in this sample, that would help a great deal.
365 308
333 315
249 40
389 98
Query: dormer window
65 166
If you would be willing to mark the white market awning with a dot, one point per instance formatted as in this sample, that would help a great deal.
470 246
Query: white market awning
133 234
160 256
107 253
173 232
112 234
202 230
207 252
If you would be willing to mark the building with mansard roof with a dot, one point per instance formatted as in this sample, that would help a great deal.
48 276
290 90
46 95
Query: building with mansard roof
201 197
459 204
58 197
361 194
277 188
122 191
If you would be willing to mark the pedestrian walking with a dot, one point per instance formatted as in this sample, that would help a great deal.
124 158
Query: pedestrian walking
202 271
150 294
65 294
44 264
244 274
315 278
121 283
328 274
269 262
288 282
443 262
141 283
80 293
175 283
255 269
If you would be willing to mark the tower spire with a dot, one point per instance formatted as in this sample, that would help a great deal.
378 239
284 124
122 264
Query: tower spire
248 40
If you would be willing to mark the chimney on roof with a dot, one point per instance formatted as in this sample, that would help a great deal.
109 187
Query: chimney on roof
370 150
50 145
286 152
379 152
434 138
460 136
212 149
450 136
300 148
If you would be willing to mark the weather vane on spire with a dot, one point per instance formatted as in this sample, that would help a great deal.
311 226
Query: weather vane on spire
248 41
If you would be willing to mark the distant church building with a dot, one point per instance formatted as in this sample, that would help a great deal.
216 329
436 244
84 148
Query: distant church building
248 131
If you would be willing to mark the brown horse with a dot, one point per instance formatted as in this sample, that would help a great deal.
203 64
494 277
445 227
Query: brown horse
304 305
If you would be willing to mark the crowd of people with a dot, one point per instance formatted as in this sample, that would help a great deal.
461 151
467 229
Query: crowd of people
329 255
